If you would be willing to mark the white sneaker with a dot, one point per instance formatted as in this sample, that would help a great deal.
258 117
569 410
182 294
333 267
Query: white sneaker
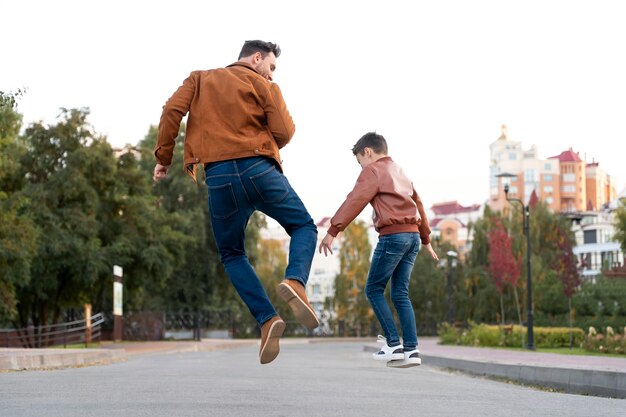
411 358
388 353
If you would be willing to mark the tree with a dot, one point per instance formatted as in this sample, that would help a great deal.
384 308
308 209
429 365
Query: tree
17 232
350 301
566 270
92 211
620 226
503 266
427 289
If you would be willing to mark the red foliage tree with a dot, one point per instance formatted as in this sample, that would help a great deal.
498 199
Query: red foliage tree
565 264
504 268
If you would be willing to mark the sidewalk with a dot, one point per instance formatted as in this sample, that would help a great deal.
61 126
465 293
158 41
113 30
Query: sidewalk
108 353
603 376
589 375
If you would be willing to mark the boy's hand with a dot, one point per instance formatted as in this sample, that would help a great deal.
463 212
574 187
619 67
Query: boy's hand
327 244
431 252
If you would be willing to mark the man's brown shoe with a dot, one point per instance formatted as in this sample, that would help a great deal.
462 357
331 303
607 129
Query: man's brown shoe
271 331
294 294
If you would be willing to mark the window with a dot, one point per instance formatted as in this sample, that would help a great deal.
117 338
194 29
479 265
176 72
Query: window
548 189
590 236
569 188
547 177
317 290
548 167
549 200
569 177
512 156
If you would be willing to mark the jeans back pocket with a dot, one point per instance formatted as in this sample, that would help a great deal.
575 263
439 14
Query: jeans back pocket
222 201
270 185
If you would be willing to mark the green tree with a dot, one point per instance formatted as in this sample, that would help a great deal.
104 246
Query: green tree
350 301
198 282
620 226
92 211
17 232
428 288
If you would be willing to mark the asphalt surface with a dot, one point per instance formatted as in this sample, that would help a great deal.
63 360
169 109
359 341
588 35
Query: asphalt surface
588 375
307 379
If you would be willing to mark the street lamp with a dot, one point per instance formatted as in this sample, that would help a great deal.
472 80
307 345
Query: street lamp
529 283
452 255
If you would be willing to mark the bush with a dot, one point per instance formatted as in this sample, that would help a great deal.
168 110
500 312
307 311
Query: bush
509 336
448 334
605 343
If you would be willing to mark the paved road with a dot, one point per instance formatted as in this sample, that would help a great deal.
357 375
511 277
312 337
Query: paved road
307 379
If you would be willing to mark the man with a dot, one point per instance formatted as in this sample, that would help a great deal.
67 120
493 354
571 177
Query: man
237 123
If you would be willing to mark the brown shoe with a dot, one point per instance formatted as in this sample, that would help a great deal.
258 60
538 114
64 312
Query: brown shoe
271 331
294 294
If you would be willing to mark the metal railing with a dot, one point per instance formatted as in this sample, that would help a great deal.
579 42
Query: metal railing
69 333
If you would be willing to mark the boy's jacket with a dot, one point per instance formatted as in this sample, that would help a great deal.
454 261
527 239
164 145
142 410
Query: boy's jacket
397 206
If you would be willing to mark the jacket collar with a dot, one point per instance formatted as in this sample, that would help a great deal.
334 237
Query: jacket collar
242 64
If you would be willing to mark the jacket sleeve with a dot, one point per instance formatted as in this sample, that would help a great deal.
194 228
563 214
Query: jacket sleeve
279 120
364 191
173 112
423 225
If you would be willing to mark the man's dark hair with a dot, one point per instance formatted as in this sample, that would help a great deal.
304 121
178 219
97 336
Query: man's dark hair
371 140
252 47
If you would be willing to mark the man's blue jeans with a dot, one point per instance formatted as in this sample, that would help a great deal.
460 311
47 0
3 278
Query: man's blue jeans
393 259
236 189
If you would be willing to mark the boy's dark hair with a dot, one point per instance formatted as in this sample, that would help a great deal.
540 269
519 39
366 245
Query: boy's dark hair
371 140
252 47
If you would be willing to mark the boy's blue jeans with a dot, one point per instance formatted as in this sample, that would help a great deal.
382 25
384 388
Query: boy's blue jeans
236 189
393 259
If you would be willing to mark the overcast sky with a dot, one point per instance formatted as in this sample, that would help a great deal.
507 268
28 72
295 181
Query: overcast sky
436 78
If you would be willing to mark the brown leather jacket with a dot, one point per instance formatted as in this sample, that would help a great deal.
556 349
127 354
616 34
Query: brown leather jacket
397 206
234 112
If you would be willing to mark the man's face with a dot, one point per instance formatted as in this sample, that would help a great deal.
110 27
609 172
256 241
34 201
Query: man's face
266 66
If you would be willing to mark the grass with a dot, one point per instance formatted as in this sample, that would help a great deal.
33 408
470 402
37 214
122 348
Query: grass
561 351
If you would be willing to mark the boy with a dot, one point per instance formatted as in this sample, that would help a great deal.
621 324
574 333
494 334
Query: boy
401 222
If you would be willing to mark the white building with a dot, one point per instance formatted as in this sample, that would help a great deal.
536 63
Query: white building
596 248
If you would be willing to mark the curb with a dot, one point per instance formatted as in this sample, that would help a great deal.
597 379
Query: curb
41 359
574 381
599 383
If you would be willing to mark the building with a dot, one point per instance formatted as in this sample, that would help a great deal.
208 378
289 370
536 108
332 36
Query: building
596 249
565 182
450 221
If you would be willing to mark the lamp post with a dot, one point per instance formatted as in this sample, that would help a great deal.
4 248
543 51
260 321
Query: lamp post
452 255
530 345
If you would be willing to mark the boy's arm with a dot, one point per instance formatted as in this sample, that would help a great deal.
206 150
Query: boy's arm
363 192
423 226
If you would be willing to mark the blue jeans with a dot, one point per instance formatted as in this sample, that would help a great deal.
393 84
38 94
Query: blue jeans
236 189
393 259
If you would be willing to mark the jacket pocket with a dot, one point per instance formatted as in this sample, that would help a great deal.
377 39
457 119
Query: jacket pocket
222 202
270 185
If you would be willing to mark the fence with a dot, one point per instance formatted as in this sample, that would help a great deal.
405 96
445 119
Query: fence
69 333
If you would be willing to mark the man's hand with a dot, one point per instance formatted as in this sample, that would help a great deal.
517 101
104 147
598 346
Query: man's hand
326 244
431 252
160 172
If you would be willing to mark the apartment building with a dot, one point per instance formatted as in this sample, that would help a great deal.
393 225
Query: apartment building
565 182
449 222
